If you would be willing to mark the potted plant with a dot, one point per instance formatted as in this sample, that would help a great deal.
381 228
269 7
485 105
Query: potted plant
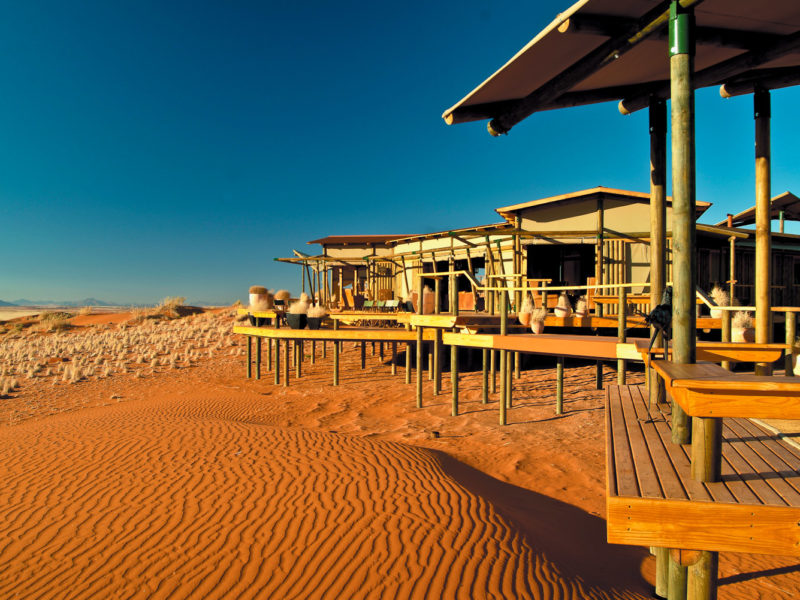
720 298
524 315
742 327
260 300
282 298
582 307
538 316
315 316
296 315
563 308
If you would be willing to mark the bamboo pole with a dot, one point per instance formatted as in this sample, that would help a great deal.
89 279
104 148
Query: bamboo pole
761 109
336 351
683 202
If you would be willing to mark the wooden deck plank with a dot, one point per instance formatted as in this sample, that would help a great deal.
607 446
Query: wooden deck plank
789 453
671 485
646 477
752 511
625 472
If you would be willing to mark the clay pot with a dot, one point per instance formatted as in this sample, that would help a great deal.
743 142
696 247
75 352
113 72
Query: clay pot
537 326
524 318
314 322
716 313
742 334
296 321
562 311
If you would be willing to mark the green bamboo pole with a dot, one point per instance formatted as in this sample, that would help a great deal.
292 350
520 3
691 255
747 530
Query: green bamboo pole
560 385
791 328
683 200
336 356
258 358
761 108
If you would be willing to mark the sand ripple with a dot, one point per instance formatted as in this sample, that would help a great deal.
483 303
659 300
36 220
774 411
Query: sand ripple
177 501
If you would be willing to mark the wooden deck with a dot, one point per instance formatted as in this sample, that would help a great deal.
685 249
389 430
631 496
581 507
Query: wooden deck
577 346
653 501
355 334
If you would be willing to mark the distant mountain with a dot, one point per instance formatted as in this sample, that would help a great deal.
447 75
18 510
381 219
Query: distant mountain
84 302
2 303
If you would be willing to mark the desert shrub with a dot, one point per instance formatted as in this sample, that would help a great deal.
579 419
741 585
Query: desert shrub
538 314
527 305
298 308
742 320
317 312
258 289
282 295
720 296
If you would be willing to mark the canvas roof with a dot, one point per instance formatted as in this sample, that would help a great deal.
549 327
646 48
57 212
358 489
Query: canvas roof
726 29
507 211
786 202
344 240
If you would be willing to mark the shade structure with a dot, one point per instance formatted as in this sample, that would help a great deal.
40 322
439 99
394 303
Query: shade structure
786 203
601 50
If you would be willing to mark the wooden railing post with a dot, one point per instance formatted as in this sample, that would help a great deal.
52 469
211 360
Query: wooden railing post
622 325
503 358
791 324
249 356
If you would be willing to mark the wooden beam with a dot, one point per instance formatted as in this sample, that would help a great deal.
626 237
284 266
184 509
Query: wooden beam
763 266
605 54
612 26
768 79
720 72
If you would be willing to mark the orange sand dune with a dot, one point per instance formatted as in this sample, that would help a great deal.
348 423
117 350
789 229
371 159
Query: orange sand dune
197 483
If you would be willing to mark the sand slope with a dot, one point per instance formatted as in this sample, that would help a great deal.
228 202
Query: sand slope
170 500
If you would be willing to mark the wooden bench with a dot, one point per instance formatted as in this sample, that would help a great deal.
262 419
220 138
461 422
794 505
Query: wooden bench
652 499
726 351
708 390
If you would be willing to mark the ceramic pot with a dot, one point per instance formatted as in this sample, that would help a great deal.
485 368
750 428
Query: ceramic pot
562 311
314 322
742 334
524 318
537 326
296 321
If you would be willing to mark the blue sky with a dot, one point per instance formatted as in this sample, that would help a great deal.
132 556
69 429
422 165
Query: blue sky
174 148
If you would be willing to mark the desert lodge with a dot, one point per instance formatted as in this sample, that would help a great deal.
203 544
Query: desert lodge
598 236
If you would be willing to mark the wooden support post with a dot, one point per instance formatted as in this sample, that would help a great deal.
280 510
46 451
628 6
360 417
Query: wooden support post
732 257
431 368
258 358
559 385
658 225
269 354
372 352
706 448
394 358
313 351
763 266
677 575
380 351
681 49
662 572
408 358
453 378
286 363
699 585
598 375
493 371
485 376
325 349
437 361
517 262
600 267
419 366
726 334
622 325
509 389
503 358
437 295
277 365
298 350
336 356
791 328
249 356
363 355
